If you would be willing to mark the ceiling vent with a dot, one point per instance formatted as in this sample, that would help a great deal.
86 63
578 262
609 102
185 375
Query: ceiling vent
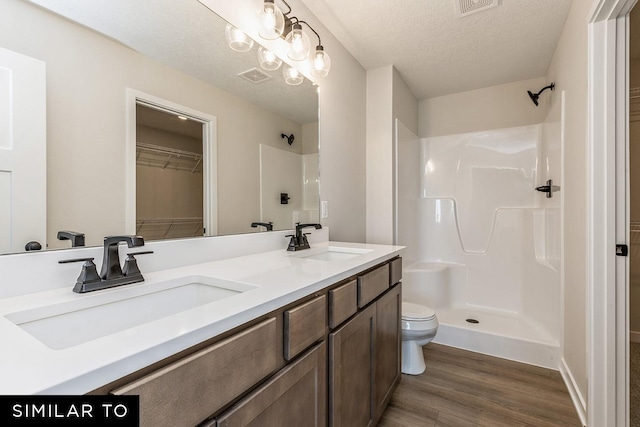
255 76
468 7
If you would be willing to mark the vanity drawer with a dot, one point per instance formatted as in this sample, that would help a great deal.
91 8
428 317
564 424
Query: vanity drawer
372 284
204 382
396 271
343 303
304 325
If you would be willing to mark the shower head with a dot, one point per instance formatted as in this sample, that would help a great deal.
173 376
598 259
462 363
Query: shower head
289 138
534 96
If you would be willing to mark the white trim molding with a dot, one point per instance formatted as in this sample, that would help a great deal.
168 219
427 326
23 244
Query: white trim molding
607 338
577 398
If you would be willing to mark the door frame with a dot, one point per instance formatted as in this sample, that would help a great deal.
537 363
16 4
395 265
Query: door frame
209 155
607 216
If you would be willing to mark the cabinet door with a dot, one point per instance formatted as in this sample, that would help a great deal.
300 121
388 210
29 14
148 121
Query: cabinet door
388 344
296 396
191 389
351 371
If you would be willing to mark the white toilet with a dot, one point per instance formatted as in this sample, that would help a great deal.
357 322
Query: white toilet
419 326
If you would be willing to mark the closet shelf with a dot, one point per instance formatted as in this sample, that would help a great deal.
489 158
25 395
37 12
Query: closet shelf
163 228
168 158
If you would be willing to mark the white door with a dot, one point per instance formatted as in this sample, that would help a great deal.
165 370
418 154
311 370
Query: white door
23 203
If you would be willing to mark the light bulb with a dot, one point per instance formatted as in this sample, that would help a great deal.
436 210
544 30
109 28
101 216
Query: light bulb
292 76
271 21
321 63
237 40
268 60
299 43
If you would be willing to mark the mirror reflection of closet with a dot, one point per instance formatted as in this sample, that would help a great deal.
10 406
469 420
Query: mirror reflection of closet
169 175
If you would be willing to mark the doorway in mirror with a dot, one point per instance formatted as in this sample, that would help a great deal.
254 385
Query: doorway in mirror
171 156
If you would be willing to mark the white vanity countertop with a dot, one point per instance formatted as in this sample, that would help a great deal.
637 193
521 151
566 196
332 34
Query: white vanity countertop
27 366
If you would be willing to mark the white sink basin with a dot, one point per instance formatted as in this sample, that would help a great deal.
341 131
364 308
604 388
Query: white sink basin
333 253
102 313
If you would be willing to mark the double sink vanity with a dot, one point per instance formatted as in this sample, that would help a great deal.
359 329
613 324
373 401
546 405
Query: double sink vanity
310 337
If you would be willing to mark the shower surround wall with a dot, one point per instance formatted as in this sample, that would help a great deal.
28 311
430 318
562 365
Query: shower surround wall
481 243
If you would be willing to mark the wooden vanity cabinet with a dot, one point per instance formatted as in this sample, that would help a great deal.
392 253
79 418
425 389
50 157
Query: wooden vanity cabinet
295 396
351 371
388 346
364 353
189 390
332 358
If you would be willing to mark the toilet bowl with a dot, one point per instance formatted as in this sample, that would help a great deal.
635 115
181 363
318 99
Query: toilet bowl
419 326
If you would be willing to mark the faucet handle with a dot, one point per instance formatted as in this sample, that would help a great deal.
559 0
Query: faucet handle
88 274
293 243
131 264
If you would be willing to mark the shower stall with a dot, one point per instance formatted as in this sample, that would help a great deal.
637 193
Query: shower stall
483 246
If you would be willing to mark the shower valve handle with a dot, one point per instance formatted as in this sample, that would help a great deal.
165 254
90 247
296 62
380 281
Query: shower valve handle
549 188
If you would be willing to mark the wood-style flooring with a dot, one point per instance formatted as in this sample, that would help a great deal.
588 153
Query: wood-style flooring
466 389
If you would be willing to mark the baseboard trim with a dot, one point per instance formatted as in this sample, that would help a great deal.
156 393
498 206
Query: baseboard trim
634 336
576 396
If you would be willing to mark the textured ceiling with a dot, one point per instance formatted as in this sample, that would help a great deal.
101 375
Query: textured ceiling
436 51
187 36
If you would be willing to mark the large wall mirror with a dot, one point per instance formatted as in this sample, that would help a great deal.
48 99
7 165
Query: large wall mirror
95 55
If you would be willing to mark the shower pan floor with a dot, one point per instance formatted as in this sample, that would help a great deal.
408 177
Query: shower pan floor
497 334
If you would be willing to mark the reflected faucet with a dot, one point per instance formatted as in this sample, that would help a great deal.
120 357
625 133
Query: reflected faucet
267 225
77 238
299 240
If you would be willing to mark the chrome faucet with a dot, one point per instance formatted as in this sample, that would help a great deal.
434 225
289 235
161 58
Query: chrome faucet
299 240
111 274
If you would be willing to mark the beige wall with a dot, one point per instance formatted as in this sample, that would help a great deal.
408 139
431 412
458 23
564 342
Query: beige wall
568 70
87 77
495 107
388 98
380 155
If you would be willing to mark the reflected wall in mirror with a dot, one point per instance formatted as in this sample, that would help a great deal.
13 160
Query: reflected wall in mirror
172 50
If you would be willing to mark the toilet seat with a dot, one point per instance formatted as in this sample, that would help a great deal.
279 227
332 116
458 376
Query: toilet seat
417 312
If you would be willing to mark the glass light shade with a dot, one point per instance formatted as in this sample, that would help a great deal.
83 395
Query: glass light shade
237 40
299 43
270 20
321 63
292 76
268 60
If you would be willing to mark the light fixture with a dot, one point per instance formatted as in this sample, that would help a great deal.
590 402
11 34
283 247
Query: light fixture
299 43
237 40
271 21
321 59
291 75
268 60
183 117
